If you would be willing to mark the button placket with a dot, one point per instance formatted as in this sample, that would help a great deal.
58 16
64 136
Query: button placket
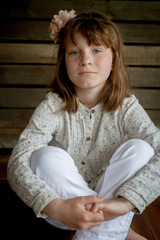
90 124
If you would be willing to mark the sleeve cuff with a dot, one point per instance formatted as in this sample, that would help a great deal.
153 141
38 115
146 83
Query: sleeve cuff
133 197
41 201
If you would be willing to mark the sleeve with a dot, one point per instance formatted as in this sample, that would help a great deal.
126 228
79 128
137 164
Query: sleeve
32 190
144 188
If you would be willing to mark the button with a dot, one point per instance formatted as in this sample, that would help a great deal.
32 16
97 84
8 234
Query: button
88 139
92 111
83 163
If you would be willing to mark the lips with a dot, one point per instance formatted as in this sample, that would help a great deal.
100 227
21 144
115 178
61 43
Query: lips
86 73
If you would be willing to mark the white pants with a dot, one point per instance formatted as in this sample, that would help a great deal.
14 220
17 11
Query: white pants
57 169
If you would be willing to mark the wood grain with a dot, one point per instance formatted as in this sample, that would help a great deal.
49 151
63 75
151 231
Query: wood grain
27 67
31 97
44 74
28 30
122 9
47 53
147 224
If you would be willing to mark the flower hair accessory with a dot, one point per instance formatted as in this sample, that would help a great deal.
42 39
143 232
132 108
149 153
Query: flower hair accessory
58 22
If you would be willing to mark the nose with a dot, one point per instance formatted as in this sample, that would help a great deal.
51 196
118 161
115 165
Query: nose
86 59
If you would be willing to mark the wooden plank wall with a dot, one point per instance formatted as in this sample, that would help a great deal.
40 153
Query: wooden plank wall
28 57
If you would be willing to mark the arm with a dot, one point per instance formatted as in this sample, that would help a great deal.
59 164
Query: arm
113 208
76 215
144 187
32 190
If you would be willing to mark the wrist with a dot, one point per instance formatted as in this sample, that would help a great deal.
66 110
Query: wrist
52 208
130 206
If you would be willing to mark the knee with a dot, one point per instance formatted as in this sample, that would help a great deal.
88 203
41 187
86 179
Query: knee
133 154
141 150
50 159
40 158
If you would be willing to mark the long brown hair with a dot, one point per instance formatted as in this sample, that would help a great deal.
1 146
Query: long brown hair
97 29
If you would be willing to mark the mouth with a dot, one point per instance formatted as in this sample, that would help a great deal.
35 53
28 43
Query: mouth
86 73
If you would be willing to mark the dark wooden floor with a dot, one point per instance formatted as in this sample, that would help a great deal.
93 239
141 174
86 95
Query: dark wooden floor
148 223
18 220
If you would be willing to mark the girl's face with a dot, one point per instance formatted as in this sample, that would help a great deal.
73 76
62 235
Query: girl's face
88 65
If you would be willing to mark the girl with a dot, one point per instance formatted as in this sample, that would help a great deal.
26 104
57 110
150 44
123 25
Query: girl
90 156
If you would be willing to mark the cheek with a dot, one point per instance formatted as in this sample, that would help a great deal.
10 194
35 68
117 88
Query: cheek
105 63
70 64
109 61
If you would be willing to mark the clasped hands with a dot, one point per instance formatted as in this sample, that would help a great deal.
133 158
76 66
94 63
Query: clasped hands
87 212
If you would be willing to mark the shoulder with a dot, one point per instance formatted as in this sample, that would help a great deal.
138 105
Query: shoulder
130 105
52 102
51 105
130 101
53 98
132 109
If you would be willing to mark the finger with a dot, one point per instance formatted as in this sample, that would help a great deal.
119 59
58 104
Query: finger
94 208
100 211
96 217
92 199
89 206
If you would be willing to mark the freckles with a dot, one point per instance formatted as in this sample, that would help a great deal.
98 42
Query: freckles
70 64
73 63
68 61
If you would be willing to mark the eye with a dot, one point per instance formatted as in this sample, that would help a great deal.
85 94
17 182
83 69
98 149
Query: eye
74 52
97 51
